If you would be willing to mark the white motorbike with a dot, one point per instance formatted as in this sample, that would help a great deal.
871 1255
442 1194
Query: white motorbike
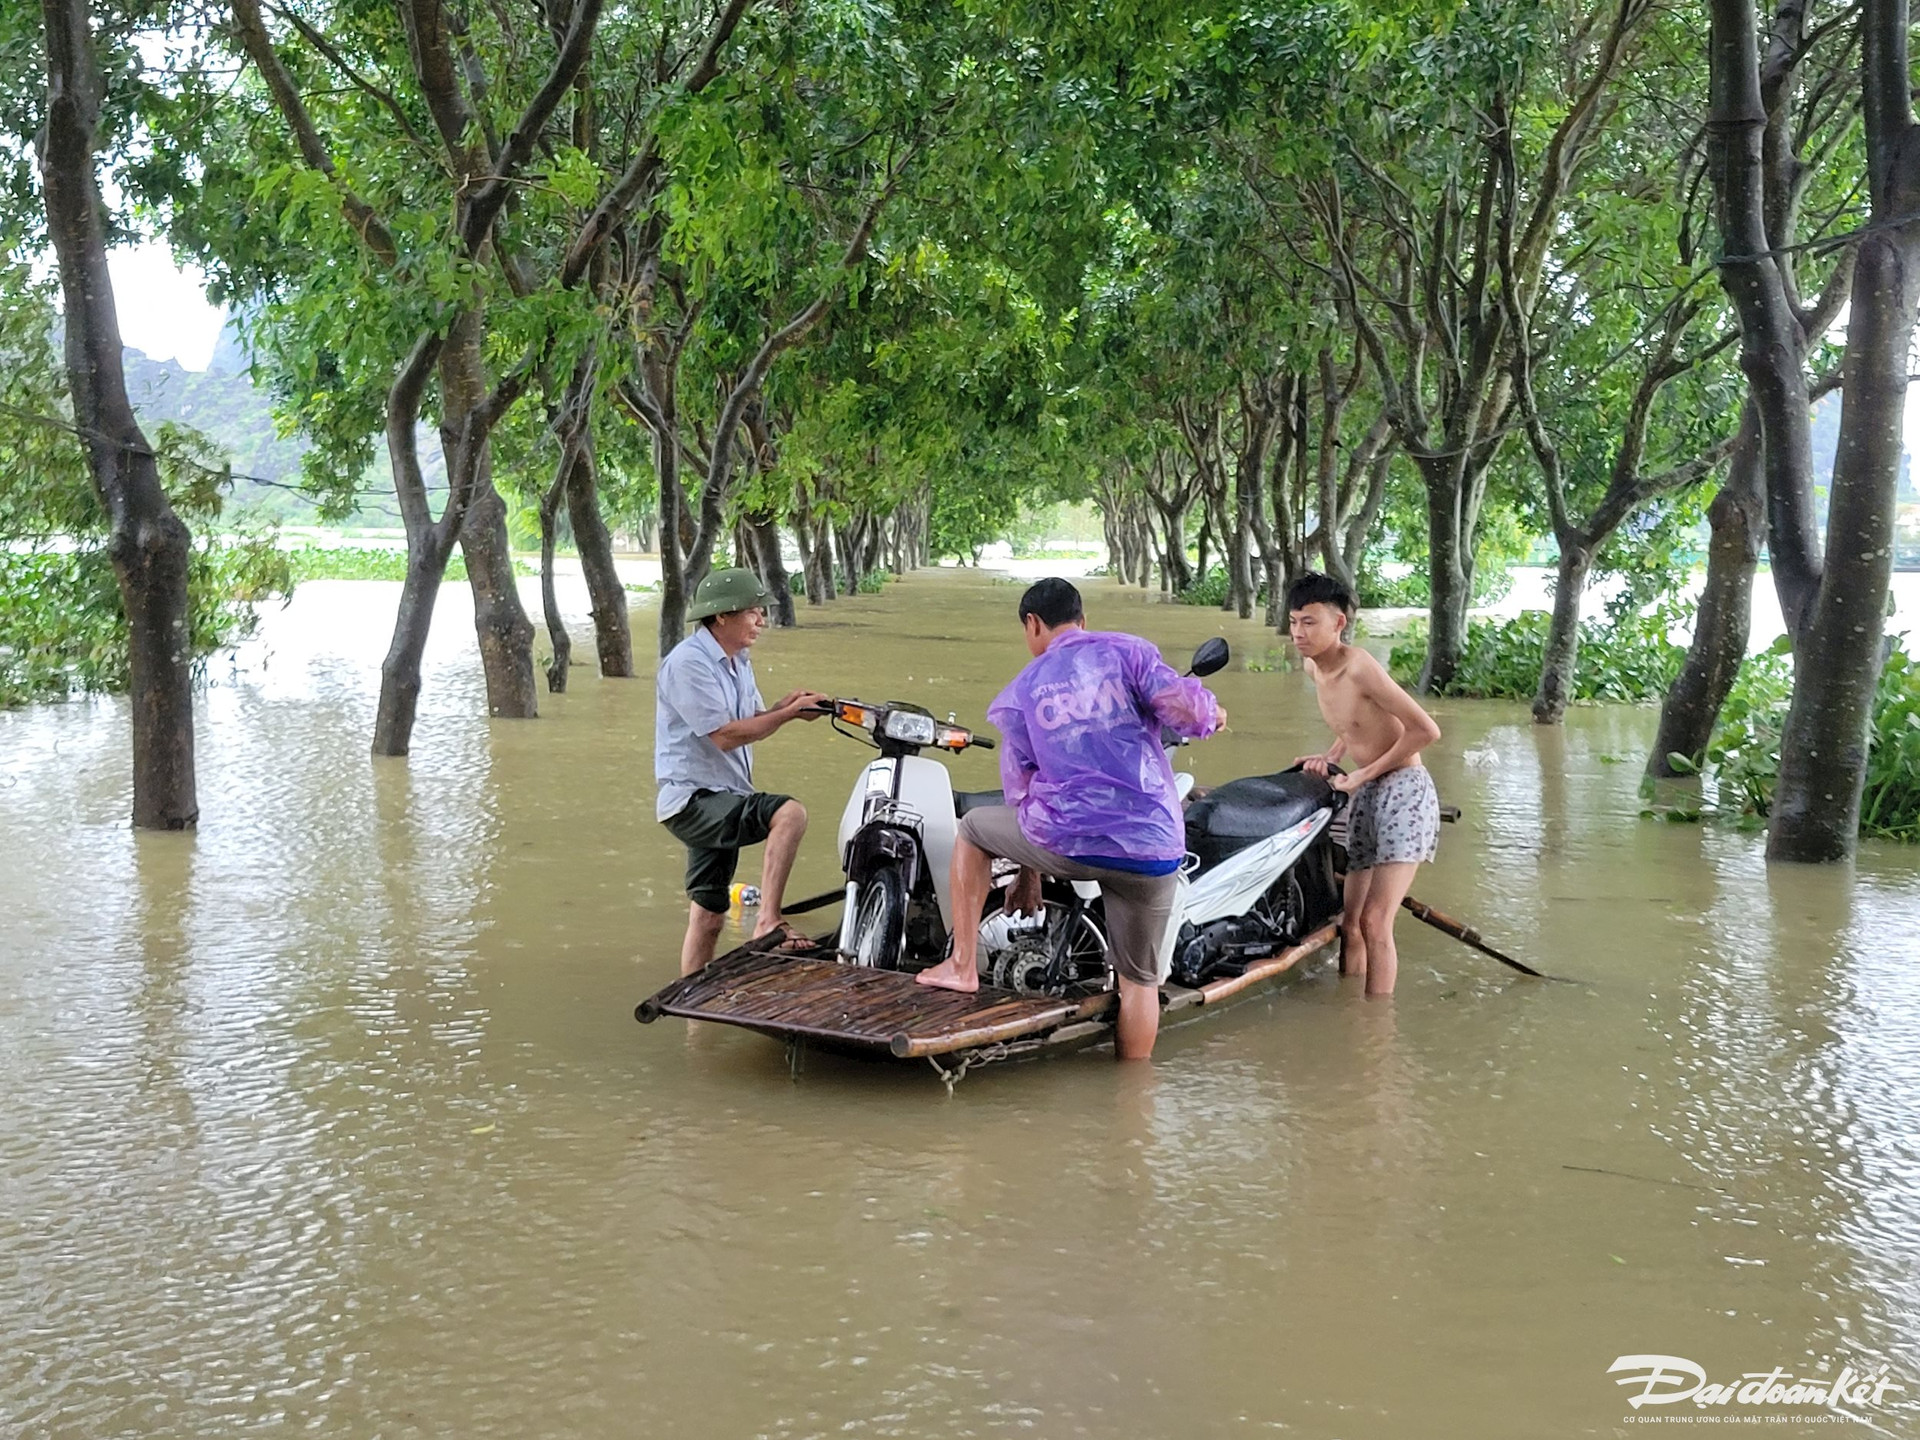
1260 874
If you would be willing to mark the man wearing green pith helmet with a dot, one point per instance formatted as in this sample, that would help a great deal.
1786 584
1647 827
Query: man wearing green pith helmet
709 716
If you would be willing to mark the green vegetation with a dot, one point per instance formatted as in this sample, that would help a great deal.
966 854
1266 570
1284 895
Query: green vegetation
319 562
1491 585
62 631
1287 286
1632 659
1743 763
1211 589
314 562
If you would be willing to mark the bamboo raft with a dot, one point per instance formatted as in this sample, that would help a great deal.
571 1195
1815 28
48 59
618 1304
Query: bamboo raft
810 998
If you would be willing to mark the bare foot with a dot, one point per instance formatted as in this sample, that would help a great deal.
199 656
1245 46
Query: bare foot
948 976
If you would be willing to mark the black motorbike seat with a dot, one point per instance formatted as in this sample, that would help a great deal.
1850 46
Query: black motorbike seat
1232 816
965 800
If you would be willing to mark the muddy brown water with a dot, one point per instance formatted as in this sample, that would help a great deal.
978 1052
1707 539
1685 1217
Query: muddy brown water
334 1119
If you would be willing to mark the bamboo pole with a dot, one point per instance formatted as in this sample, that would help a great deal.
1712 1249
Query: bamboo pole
1215 991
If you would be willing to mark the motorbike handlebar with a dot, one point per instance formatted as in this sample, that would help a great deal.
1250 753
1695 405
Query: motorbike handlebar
870 712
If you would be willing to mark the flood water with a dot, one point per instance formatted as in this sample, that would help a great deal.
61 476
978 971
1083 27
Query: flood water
334 1119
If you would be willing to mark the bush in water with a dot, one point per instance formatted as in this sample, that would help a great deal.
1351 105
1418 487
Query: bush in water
1492 581
1211 589
1891 803
62 630
1744 759
1632 660
315 562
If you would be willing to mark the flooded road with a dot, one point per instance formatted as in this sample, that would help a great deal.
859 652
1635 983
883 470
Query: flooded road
333 1119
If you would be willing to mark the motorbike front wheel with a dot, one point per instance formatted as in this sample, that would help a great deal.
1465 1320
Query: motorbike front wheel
879 921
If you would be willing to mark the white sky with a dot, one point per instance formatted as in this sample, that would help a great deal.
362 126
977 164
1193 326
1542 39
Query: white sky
163 310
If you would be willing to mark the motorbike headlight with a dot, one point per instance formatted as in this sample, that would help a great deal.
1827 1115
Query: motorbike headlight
909 728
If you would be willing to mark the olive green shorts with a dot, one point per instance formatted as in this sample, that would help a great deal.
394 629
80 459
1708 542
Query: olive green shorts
713 826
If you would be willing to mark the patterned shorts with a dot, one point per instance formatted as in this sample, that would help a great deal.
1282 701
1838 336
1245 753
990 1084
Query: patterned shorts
1393 820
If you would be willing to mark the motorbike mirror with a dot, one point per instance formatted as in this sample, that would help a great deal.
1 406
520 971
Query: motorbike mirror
1209 657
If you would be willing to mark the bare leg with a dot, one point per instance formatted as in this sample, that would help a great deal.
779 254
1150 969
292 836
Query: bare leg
1353 943
784 834
1139 1020
1382 905
970 877
703 933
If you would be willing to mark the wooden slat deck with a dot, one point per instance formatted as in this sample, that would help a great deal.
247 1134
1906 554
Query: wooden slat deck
876 1010
884 1012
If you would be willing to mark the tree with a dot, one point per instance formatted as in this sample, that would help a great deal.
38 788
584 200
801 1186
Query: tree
388 264
1421 269
148 542
1811 109
1823 750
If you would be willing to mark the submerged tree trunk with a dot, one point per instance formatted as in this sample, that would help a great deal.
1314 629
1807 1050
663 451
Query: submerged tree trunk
1450 581
612 634
557 635
812 534
429 547
772 569
1823 749
1838 653
871 544
499 620
809 574
1562 653
1176 572
1737 527
400 670
147 542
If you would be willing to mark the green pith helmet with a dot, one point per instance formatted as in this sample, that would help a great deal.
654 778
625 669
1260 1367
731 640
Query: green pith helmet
725 591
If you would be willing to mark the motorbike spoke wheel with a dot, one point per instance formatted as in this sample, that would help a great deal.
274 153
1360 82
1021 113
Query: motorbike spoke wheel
879 921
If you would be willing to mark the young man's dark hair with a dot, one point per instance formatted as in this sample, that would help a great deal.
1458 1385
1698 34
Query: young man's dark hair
1053 602
1313 588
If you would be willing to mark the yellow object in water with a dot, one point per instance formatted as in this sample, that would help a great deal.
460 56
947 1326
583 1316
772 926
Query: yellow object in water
741 895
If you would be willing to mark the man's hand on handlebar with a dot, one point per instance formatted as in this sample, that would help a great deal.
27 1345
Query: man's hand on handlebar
804 705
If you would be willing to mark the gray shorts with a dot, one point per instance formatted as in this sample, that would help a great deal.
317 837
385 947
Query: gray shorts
1393 820
1138 907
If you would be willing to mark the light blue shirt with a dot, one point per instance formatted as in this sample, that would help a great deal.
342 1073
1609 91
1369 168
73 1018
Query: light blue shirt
699 690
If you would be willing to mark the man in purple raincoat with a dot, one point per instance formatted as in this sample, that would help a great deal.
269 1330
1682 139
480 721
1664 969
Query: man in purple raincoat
1089 794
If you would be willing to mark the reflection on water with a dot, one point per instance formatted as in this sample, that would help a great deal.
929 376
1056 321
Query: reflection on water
334 1118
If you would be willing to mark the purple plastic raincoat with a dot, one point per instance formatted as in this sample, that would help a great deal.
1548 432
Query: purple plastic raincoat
1082 761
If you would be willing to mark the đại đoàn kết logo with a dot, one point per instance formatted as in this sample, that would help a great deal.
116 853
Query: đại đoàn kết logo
1655 1381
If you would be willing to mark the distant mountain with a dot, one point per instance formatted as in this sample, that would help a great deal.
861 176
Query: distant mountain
229 352
224 404
225 407
1826 442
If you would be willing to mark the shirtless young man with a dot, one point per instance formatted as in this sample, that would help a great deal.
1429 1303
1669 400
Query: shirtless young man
1393 818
